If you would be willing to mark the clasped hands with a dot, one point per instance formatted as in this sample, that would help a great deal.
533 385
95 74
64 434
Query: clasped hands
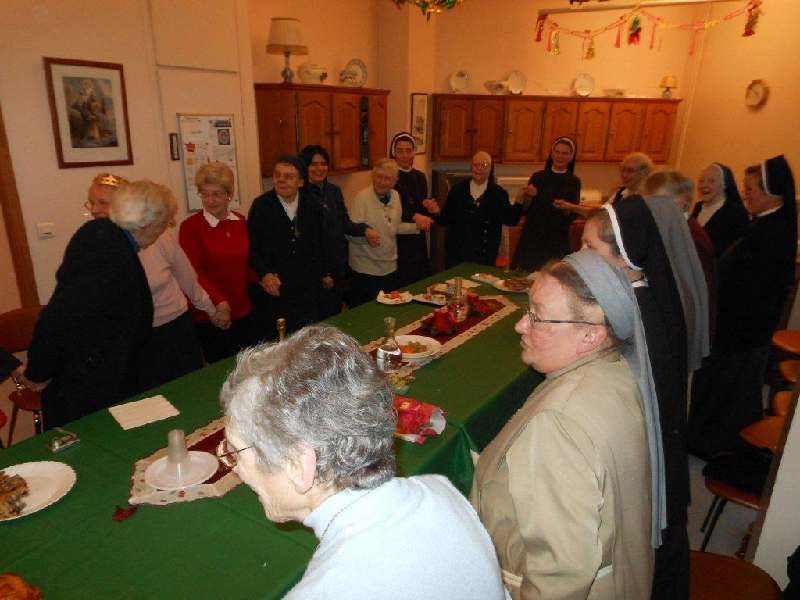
222 317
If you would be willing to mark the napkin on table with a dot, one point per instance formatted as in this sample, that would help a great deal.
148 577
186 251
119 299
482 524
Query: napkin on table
142 412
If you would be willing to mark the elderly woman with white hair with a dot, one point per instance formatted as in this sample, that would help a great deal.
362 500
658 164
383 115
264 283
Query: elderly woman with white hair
310 426
379 207
84 349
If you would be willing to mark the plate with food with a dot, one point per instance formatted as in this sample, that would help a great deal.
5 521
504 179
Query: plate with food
486 278
418 348
29 487
435 299
516 285
394 297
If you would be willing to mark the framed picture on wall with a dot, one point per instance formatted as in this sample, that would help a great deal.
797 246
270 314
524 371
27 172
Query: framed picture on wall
89 110
419 121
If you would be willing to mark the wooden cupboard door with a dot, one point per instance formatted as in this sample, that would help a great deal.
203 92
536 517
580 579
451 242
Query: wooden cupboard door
276 112
560 119
625 129
659 121
487 127
593 121
454 122
523 135
346 131
378 140
314 119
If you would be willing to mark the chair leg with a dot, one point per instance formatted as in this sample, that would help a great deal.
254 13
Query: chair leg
709 513
14 411
718 512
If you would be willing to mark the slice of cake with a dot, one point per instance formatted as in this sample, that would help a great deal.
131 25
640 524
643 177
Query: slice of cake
12 490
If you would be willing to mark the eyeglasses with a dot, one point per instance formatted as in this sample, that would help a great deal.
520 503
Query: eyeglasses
481 166
534 318
227 453
217 194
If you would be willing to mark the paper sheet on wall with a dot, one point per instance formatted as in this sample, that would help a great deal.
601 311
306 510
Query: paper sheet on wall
205 139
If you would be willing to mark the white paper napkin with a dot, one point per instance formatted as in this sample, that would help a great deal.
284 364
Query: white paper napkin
142 412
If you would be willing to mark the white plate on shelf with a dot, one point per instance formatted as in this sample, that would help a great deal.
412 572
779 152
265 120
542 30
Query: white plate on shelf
459 81
435 299
516 82
583 84
384 298
202 465
48 482
432 347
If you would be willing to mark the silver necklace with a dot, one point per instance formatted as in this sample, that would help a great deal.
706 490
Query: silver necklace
340 511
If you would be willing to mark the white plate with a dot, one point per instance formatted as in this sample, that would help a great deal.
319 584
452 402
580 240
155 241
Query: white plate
433 346
500 284
516 82
405 298
202 465
486 278
459 81
583 84
48 482
436 299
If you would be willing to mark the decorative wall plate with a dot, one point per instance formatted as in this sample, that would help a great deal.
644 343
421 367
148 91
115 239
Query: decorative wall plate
459 81
516 82
583 84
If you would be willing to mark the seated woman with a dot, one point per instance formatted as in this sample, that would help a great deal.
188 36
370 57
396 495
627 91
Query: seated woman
217 243
87 339
311 430
474 215
720 210
549 197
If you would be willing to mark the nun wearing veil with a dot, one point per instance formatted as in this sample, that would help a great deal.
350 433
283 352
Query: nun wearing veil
545 235
571 490
719 209
651 242
755 276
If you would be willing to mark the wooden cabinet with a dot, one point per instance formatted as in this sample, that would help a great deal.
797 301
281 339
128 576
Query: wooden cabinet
464 125
523 134
625 129
521 129
340 119
593 122
659 120
560 119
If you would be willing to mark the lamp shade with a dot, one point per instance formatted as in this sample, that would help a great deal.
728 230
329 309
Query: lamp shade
285 36
669 81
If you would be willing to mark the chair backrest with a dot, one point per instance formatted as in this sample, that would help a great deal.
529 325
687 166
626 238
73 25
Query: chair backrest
16 328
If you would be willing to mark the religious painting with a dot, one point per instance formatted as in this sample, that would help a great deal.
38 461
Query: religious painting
89 110
419 121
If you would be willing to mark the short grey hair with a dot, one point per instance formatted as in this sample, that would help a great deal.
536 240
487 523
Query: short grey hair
639 160
142 203
670 183
319 388
387 164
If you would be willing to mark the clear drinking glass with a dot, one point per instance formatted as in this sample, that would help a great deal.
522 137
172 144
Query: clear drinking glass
458 306
389 355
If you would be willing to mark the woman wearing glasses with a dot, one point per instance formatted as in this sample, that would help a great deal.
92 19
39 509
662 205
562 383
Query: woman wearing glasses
217 243
545 235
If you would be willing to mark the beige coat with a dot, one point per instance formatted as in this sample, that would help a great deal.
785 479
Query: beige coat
564 489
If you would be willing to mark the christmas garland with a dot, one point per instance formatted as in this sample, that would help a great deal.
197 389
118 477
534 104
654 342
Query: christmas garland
634 20
429 7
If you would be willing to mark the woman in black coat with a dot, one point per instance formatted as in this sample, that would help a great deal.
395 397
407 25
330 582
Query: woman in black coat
545 235
86 341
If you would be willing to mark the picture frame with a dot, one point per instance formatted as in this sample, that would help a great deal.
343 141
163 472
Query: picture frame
89 110
419 121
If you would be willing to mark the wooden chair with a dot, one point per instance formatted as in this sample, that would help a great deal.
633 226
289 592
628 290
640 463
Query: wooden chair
724 493
787 340
780 403
16 333
789 370
765 433
714 576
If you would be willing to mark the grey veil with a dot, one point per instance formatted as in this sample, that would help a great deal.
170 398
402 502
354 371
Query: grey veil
614 293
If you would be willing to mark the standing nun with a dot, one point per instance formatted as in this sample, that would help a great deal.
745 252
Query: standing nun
720 209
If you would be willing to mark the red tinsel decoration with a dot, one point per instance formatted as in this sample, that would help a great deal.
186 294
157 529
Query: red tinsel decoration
635 32
618 43
753 12
540 27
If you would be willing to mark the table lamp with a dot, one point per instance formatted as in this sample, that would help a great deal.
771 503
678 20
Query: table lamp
668 83
286 38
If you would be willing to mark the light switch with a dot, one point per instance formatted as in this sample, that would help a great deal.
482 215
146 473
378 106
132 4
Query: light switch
46 230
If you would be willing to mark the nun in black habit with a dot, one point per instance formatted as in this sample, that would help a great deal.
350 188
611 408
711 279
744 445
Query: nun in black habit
755 276
720 210
545 235
413 263
626 235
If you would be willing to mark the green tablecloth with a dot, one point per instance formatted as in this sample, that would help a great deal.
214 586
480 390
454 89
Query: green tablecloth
225 547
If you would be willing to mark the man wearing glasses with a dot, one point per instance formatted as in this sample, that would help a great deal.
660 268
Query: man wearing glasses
553 487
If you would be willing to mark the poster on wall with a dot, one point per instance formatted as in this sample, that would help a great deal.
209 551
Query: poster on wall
205 139
89 111
419 121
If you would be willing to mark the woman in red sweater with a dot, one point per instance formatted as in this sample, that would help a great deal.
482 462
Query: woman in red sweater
216 241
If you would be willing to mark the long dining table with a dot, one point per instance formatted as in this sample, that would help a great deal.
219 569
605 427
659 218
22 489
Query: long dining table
225 547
